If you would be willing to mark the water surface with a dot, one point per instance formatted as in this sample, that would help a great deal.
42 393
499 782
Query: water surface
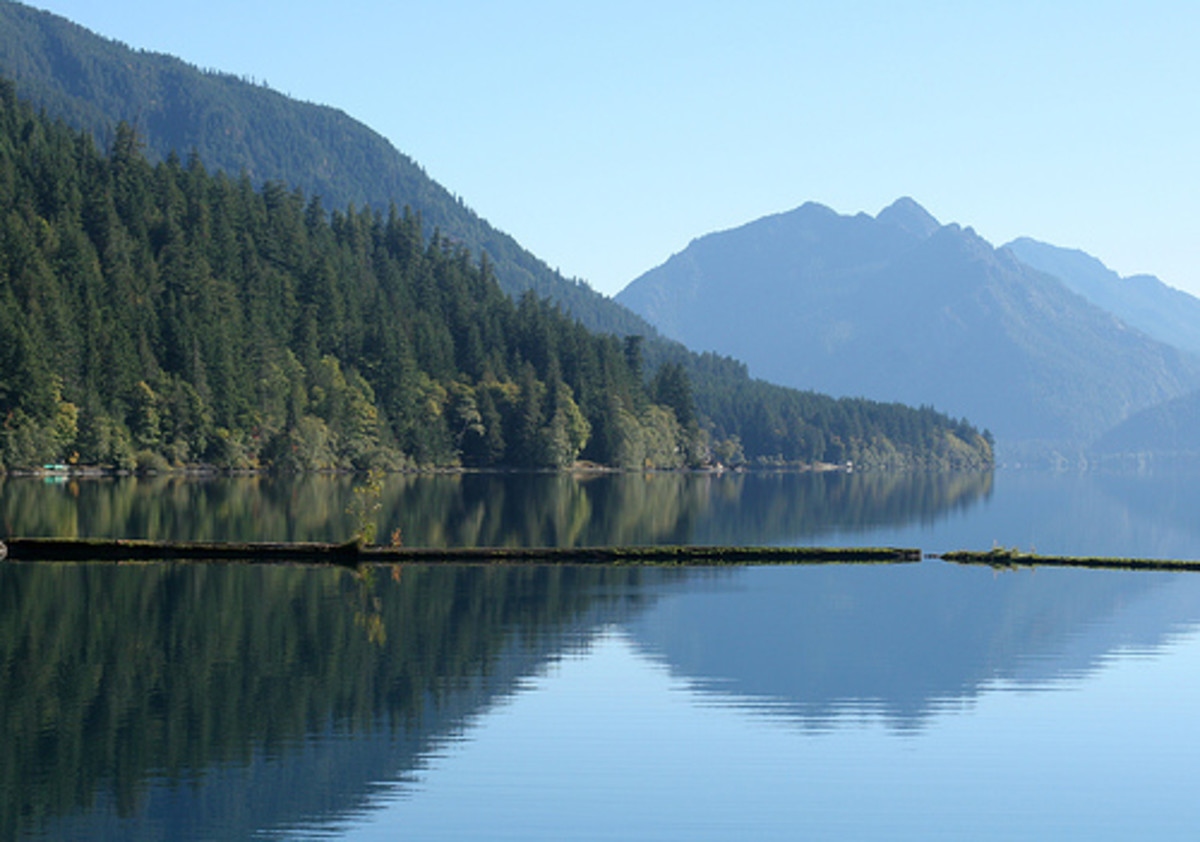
915 701
1145 514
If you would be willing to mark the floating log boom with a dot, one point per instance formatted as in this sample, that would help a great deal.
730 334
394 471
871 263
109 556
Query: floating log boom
1003 558
352 554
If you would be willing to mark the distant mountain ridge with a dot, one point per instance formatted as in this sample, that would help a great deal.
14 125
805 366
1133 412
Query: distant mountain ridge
898 307
1142 301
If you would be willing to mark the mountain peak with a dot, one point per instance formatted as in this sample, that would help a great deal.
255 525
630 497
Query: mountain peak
907 215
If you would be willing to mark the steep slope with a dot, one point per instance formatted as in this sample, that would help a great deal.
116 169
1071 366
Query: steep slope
894 309
1142 301
93 83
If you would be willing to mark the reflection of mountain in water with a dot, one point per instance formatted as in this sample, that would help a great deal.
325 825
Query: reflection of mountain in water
214 701
904 640
494 509
1093 513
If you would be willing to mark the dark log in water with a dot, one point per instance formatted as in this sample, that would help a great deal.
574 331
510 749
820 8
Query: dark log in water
101 549
352 554
1015 558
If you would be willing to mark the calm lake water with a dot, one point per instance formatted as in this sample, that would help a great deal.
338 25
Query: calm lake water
910 701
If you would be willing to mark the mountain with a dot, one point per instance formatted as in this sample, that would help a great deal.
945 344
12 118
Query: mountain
1141 301
897 307
235 126
907 215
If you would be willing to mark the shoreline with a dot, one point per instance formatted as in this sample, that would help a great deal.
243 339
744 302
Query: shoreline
583 468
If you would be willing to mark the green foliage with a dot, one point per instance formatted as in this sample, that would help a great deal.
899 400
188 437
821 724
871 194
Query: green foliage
365 505
237 127
175 316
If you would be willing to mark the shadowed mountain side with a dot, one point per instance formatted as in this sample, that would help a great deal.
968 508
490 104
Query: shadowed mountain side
863 306
236 126
903 642
1141 301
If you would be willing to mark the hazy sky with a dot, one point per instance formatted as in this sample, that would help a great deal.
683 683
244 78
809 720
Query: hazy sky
605 136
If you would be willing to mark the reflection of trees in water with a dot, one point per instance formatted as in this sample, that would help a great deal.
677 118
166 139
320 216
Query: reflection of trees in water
666 507
114 674
492 509
773 507
181 508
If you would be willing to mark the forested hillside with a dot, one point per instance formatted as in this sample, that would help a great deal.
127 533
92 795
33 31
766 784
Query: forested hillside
154 314
236 126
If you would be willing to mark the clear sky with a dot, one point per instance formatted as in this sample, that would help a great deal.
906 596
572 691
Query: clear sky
604 136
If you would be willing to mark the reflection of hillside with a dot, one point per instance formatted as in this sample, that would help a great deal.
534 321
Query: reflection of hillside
904 640
115 678
783 507
1095 513
493 509
180 508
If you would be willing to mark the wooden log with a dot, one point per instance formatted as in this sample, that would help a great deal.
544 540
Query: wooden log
120 549
1003 558
352 554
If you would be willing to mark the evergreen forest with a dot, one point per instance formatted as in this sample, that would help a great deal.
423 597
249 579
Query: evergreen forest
158 315
240 125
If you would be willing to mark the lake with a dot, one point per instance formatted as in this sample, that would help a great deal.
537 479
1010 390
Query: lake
906 701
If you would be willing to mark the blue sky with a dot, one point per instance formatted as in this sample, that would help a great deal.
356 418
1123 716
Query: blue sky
605 136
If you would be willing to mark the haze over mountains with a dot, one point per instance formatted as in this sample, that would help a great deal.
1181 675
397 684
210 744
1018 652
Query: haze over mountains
1146 303
900 307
